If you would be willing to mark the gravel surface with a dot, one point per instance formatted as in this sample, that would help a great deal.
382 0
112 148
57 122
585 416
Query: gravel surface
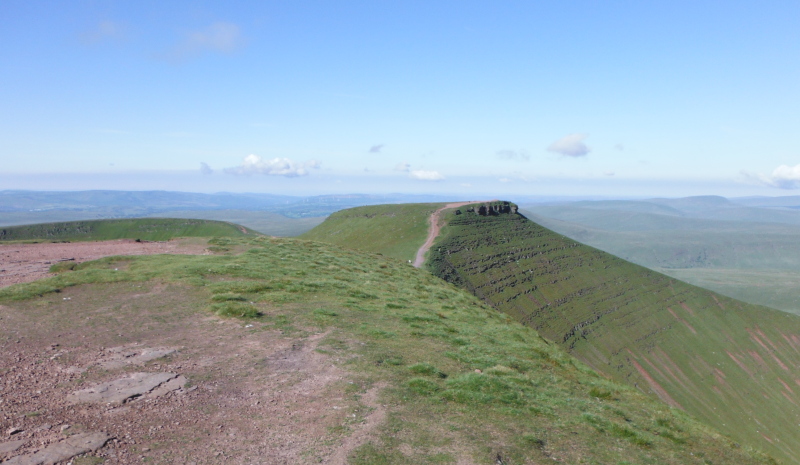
23 263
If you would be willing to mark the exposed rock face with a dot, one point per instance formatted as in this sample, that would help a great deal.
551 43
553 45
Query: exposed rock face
493 209
10 446
119 357
64 450
122 389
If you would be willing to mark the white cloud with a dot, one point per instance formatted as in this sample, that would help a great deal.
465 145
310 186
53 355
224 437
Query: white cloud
505 180
405 167
608 173
508 154
253 164
219 37
782 177
426 175
376 148
205 169
105 31
570 146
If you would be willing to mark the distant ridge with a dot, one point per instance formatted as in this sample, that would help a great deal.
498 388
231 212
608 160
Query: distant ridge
150 229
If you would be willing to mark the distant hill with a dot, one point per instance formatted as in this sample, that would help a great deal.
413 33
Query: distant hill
269 223
702 207
28 207
144 229
729 363
393 230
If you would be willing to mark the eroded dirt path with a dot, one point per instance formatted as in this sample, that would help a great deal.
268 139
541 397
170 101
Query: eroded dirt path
435 227
23 263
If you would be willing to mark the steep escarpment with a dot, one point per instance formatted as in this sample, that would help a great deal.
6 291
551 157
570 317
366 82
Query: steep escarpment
732 364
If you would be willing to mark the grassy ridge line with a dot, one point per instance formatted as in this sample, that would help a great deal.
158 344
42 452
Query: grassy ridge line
390 324
150 229
696 350
393 230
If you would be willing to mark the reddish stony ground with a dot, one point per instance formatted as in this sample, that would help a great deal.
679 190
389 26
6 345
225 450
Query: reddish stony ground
248 393
22 263
143 373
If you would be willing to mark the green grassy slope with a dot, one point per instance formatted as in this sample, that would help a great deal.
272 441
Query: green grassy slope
393 230
462 382
145 229
731 364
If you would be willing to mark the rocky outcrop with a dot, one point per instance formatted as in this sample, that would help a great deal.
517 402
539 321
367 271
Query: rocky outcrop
494 209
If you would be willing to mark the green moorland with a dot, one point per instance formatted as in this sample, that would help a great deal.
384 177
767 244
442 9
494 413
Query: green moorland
146 229
731 364
463 383
393 230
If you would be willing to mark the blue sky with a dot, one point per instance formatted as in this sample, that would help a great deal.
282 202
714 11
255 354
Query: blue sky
540 98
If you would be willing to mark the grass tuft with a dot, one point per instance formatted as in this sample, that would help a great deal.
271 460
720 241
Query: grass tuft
235 309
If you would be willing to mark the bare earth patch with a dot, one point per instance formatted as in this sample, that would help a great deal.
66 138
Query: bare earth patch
133 373
23 263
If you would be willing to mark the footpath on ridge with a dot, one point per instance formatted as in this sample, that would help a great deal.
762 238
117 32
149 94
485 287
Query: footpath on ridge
433 232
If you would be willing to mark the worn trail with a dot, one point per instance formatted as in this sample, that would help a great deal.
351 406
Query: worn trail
433 232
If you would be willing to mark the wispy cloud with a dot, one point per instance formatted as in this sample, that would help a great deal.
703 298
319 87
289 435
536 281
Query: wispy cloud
254 164
782 177
505 180
205 169
619 147
508 154
405 167
105 31
219 37
608 173
376 148
423 175
570 146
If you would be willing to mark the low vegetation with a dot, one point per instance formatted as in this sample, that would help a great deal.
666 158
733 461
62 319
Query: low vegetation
150 229
460 382
392 230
